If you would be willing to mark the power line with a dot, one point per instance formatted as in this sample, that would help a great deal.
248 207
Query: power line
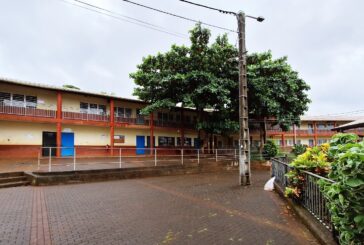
179 16
208 7
124 18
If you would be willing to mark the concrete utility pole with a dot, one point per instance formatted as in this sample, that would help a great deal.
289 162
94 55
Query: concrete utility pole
244 145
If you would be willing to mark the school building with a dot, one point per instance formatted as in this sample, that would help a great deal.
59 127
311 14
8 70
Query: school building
313 130
35 115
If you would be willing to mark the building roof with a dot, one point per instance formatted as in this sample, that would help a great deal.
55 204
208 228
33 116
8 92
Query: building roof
351 125
68 90
330 118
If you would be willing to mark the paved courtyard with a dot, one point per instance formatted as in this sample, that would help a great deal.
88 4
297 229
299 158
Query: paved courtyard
188 209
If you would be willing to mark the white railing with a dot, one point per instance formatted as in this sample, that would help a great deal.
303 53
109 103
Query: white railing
24 111
86 158
85 116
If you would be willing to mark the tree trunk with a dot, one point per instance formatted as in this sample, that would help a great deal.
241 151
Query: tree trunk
263 135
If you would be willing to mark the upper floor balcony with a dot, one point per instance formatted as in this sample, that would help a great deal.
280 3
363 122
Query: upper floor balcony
99 116
26 111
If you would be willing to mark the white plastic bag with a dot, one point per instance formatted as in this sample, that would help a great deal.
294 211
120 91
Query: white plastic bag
269 186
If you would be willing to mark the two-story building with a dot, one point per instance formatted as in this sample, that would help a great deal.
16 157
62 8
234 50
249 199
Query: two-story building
313 130
34 115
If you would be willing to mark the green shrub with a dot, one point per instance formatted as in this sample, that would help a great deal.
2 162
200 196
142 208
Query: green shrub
346 196
299 149
270 150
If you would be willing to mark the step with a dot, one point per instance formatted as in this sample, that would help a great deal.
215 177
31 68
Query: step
14 184
11 174
12 179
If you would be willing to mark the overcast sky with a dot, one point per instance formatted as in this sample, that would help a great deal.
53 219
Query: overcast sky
52 42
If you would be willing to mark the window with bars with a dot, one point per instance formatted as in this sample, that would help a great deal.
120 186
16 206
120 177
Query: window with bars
5 98
18 100
31 101
92 108
166 141
188 141
122 112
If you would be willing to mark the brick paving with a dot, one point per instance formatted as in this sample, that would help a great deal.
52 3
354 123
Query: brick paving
187 209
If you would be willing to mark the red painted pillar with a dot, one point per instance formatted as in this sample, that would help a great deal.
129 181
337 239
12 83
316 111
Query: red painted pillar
283 139
315 133
59 123
112 125
151 124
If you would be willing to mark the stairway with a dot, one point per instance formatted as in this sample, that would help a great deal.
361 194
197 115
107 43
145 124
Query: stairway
13 179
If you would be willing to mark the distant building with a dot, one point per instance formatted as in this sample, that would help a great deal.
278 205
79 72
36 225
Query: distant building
312 131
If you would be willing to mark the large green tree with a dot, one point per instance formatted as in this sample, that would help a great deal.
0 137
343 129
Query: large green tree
205 76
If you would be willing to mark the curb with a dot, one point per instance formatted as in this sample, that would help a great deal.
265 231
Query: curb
84 176
323 235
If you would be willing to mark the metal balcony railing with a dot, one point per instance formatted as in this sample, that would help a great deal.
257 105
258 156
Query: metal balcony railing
85 116
24 111
133 120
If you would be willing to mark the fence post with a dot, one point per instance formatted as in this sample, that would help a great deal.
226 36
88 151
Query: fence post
119 157
182 156
216 155
198 156
50 160
74 159
155 156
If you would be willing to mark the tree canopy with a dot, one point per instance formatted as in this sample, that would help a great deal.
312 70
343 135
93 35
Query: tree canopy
206 76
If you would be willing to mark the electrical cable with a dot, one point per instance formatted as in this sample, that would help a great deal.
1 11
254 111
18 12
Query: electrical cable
179 16
208 7
124 18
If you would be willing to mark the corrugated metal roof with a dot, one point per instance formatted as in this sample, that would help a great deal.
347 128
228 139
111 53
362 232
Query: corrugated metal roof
356 124
57 88
330 118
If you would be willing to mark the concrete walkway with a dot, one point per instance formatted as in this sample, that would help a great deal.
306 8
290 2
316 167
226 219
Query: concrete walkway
188 209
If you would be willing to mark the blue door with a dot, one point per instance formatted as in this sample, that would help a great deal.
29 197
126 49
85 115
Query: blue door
68 141
140 145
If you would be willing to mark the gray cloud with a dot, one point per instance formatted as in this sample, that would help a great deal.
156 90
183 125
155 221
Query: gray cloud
57 43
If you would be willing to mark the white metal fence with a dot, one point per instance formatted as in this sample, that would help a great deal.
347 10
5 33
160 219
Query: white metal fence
86 158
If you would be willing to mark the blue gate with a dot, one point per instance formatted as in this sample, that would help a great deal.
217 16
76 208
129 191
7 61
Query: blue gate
140 145
68 141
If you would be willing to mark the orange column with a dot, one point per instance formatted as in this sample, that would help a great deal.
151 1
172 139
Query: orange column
315 133
151 124
112 125
59 123
283 139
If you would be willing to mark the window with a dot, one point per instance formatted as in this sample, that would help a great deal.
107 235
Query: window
5 98
102 109
310 142
330 125
83 107
321 141
166 141
188 141
18 100
127 112
321 126
122 112
92 108
31 101
119 138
